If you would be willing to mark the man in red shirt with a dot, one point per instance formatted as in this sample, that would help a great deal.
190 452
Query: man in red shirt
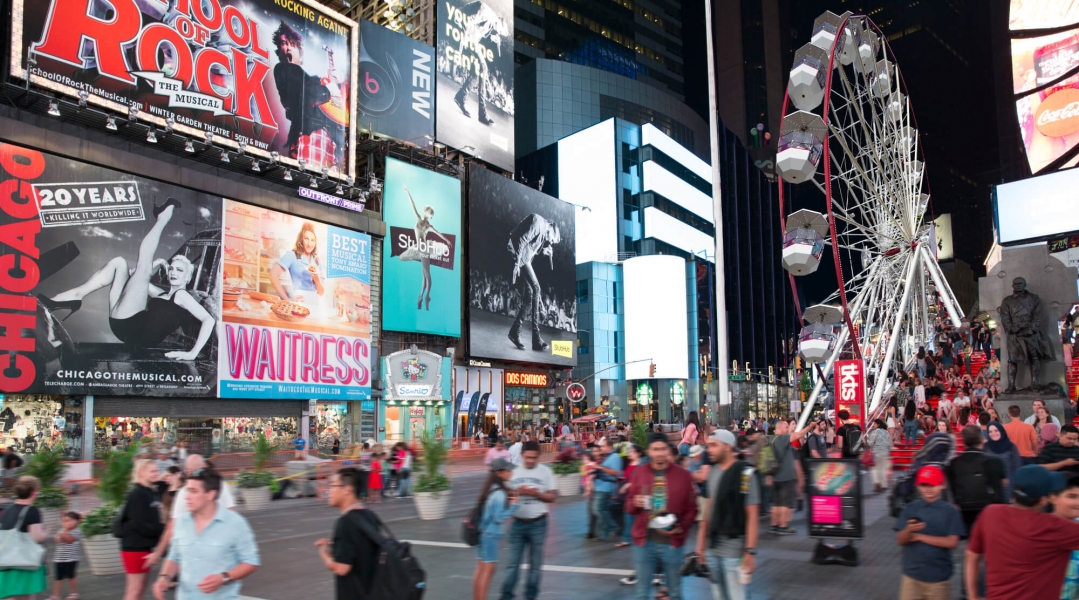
1026 551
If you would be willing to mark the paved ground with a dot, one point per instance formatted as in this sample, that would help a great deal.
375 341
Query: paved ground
575 568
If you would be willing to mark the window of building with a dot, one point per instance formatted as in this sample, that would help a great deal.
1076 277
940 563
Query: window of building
583 342
582 291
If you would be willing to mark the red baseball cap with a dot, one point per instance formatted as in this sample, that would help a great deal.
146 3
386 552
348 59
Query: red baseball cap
929 475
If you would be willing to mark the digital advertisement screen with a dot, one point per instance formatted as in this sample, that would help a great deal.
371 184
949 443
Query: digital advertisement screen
1045 81
1037 207
276 76
587 176
656 336
522 295
834 487
475 78
421 253
397 82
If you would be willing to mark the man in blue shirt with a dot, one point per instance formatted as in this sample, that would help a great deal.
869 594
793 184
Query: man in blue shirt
929 529
212 548
300 444
606 484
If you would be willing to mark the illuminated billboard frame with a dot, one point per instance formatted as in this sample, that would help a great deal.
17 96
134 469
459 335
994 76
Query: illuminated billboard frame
653 336
177 93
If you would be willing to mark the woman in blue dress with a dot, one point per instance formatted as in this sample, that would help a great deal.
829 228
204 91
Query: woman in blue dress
302 264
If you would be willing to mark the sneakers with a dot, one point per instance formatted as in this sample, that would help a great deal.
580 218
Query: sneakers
659 580
783 530
631 580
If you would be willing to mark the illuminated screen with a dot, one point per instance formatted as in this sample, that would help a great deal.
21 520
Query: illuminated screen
586 177
1037 207
1045 78
651 136
670 186
665 228
658 335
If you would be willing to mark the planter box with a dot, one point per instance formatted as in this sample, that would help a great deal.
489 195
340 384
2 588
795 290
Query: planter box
256 498
568 485
103 553
432 505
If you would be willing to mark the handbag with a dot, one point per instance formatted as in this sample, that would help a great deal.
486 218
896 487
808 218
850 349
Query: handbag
867 459
18 550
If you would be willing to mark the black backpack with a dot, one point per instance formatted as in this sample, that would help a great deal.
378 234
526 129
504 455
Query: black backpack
470 526
852 441
972 490
398 575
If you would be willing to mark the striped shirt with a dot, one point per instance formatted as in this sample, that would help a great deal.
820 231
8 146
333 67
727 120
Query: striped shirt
69 552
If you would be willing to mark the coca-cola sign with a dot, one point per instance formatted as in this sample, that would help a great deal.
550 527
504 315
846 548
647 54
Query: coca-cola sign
1058 115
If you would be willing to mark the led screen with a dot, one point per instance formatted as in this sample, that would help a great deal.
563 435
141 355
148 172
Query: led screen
586 177
1037 207
677 190
665 228
659 335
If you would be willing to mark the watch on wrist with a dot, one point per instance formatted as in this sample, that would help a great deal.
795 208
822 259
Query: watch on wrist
750 551
226 578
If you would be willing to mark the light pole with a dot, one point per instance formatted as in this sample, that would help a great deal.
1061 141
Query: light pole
717 212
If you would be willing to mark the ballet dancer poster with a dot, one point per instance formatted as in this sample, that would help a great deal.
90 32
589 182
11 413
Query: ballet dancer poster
296 308
111 282
522 272
421 290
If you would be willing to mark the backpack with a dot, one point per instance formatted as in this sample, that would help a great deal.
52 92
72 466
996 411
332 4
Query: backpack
972 491
769 463
470 525
852 441
398 575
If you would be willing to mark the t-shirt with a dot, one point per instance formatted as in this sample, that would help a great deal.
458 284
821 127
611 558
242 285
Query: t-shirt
781 445
179 504
351 546
1070 591
815 442
12 513
69 552
727 547
921 561
605 482
299 443
659 505
1026 552
540 478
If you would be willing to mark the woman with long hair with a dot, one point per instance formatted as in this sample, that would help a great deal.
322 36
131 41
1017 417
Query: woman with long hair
303 266
18 583
425 249
1000 446
1041 417
910 423
499 503
141 314
921 361
142 528
690 433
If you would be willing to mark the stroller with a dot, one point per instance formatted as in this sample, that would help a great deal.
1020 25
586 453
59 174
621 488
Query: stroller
939 450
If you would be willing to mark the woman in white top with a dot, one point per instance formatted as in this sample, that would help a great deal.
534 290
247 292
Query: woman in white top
919 393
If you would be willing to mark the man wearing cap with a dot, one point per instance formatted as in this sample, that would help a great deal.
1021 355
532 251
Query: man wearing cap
730 522
1026 551
929 529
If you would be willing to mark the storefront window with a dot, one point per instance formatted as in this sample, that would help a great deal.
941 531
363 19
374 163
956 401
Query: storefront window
331 422
205 436
394 423
31 421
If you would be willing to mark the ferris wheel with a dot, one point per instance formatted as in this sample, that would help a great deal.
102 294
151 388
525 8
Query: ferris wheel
851 135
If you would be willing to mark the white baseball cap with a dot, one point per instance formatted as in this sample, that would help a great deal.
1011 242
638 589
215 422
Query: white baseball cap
724 436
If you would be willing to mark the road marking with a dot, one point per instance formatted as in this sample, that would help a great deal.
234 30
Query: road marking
552 568
437 544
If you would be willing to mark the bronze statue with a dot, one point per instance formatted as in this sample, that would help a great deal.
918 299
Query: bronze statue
1021 316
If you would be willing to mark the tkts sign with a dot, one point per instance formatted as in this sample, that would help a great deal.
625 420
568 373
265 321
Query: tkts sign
850 389
267 76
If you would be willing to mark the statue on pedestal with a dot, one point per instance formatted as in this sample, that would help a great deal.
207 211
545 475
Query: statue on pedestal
1021 316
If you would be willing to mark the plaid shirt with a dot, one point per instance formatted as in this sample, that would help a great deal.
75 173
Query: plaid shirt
318 149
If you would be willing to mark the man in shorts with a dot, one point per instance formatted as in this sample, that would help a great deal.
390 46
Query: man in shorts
785 482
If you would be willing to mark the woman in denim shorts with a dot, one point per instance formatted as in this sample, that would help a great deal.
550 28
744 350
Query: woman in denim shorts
499 503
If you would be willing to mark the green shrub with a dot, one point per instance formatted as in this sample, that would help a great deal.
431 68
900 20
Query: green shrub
119 467
47 465
263 452
640 433
432 479
51 497
256 479
98 521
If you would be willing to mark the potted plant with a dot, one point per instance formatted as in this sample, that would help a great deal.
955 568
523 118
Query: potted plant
432 488
48 467
257 486
102 549
640 433
567 472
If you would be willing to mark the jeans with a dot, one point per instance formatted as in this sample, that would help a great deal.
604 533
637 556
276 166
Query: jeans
532 535
921 371
683 449
601 507
627 527
404 476
646 557
726 584
910 429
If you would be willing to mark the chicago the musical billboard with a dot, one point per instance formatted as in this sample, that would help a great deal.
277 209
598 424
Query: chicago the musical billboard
269 76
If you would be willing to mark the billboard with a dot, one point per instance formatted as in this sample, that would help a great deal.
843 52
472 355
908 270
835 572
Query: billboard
1045 81
275 76
121 285
112 281
653 336
1037 207
296 314
396 85
421 253
850 390
941 237
522 274
588 176
475 78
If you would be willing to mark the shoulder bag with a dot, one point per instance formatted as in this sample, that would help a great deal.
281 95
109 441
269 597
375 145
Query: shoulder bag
18 550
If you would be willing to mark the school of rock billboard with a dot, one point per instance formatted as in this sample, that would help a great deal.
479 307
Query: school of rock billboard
522 272
115 284
475 78
396 85
274 75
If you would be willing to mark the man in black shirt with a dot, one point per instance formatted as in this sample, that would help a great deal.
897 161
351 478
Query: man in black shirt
1063 454
848 436
352 554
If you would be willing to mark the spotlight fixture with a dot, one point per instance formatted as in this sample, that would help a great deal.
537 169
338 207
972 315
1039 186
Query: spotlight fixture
169 122
313 183
339 190
132 113
325 170
54 108
243 147
151 136
83 95
189 146
110 123
225 156
288 174
350 180
275 157
303 165
209 137
255 167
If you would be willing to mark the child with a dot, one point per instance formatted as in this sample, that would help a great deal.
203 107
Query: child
66 557
929 530
1066 504
374 484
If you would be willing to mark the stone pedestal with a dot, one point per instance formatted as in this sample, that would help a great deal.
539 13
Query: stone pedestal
1048 278
1025 402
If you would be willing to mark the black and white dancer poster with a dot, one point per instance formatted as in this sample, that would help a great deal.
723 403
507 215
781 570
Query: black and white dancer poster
111 282
522 276
475 78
